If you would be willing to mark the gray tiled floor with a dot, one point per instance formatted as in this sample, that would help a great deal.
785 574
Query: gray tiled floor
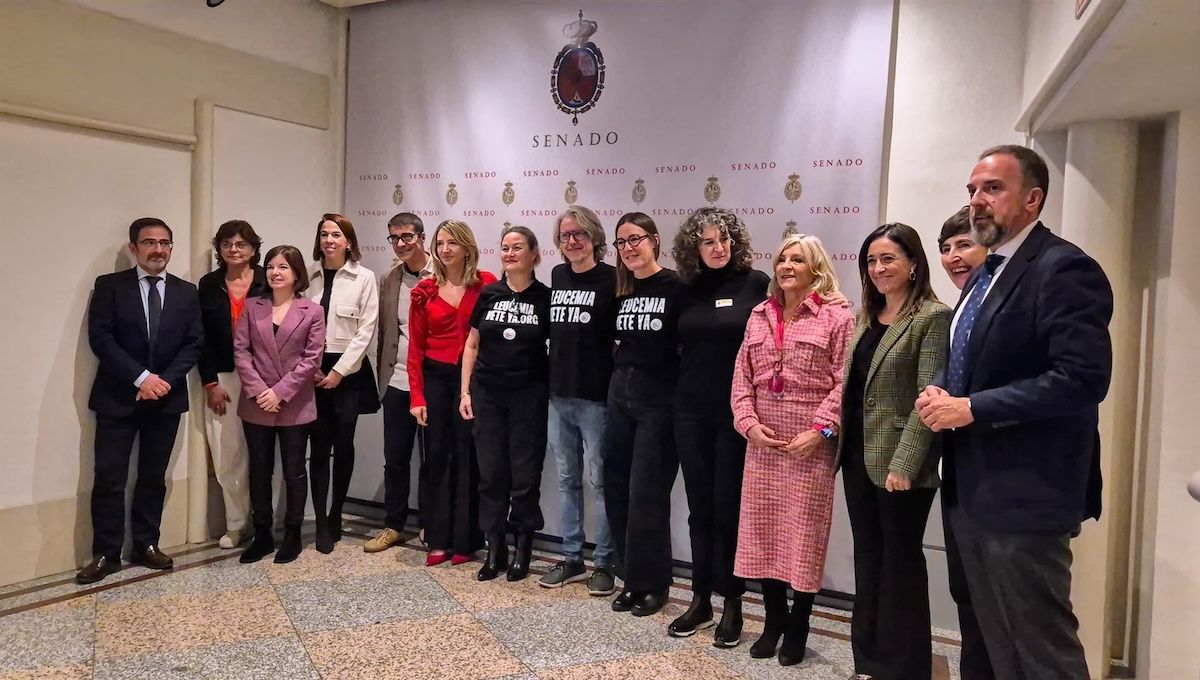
275 658
357 601
574 633
56 636
213 578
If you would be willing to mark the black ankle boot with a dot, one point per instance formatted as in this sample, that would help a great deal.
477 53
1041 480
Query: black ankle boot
497 558
775 604
795 633
262 545
325 538
729 630
699 615
291 547
519 568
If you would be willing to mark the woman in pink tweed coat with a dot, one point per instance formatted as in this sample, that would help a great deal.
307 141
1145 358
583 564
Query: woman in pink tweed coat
786 399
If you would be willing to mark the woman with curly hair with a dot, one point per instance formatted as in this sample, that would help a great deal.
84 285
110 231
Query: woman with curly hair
713 254
439 322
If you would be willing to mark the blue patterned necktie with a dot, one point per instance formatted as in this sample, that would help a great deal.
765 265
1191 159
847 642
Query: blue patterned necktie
956 372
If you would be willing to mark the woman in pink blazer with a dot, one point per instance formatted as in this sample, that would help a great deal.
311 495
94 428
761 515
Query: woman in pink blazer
277 349
786 399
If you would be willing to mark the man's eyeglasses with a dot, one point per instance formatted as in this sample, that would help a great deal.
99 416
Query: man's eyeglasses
235 245
579 236
151 242
408 237
632 241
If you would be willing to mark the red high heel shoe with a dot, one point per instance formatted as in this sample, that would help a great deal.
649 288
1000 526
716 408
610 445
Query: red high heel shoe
434 559
461 559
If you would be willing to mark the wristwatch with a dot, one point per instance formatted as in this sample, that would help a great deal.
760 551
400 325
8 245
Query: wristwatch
826 432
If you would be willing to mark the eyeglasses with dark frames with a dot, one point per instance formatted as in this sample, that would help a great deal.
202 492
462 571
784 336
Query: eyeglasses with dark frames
632 241
407 237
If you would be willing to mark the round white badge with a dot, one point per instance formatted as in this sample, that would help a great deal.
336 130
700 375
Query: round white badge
585 317
509 334
656 324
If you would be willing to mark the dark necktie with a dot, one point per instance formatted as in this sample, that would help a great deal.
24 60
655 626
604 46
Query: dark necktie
153 309
956 372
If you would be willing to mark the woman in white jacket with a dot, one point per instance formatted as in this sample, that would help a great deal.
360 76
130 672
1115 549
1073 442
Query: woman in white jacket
345 384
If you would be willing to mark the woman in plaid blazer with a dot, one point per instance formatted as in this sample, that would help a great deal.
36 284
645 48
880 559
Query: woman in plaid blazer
887 455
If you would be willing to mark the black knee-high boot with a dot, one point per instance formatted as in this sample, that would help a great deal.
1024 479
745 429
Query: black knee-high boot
343 470
775 603
795 633
318 474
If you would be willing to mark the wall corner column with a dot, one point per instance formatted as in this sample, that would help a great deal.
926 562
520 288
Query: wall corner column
1097 215
201 235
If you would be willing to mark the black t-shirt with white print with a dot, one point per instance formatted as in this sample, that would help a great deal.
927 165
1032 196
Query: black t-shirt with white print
513 328
582 311
648 323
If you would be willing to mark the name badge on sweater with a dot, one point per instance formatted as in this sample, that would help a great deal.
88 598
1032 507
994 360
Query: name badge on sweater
723 302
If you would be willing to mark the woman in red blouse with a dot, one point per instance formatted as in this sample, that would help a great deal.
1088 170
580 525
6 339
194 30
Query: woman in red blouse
439 322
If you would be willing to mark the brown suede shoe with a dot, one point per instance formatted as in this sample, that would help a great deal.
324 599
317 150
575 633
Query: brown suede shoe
100 567
151 558
382 541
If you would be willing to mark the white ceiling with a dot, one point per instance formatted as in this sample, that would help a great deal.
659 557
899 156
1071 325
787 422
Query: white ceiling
1145 64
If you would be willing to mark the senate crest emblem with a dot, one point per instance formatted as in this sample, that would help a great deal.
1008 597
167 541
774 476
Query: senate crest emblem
571 195
508 195
792 189
712 190
790 229
398 195
451 194
577 78
639 191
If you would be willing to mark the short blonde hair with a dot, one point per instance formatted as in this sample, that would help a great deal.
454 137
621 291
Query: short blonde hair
813 252
461 232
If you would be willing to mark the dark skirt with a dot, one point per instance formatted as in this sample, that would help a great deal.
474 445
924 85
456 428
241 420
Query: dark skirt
355 395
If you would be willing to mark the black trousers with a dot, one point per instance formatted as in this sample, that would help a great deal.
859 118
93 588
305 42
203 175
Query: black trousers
451 471
155 432
399 431
640 465
293 444
890 630
712 455
1019 585
510 438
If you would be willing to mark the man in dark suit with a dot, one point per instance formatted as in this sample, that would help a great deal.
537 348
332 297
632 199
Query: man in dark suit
1030 361
144 327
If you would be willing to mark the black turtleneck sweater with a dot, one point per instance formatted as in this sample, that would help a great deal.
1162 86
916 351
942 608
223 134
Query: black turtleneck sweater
712 321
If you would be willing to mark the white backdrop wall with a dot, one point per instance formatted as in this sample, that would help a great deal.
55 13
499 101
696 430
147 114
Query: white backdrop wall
279 177
702 103
68 199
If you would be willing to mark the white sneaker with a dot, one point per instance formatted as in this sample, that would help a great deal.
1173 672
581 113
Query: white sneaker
231 539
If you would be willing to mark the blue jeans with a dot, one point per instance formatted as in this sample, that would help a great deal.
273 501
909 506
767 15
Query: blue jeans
575 435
